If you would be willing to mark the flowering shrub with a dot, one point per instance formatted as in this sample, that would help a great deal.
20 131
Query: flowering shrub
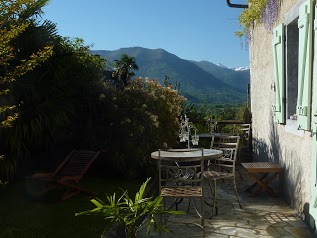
139 119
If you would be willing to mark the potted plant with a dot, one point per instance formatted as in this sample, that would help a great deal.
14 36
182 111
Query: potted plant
132 214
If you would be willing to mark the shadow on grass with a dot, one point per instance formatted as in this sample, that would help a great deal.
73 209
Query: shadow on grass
23 217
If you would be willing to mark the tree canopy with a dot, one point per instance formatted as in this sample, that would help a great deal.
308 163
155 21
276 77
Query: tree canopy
15 18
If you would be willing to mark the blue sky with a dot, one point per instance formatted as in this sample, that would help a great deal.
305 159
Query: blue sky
191 29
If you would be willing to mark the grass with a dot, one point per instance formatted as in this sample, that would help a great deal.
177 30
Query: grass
22 217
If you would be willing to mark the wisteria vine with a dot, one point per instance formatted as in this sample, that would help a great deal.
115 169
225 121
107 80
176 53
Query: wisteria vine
270 13
263 11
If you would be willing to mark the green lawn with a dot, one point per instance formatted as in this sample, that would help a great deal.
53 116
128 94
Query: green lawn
22 217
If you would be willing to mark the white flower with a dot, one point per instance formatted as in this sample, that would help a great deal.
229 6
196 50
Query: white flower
153 118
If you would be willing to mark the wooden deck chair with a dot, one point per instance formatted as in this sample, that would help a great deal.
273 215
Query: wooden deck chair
68 174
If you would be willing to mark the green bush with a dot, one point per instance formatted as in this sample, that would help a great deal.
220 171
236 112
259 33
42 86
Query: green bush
137 120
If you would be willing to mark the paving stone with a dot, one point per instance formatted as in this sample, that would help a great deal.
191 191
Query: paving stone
248 233
265 236
223 224
299 232
259 221
272 232
282 232
227 230
262 232
216 235
242 221
245 226
296 223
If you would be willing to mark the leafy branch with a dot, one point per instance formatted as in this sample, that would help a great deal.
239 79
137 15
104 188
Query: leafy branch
129 212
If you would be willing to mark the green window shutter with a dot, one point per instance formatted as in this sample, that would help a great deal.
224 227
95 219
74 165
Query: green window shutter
314 87
279 67
313 190
304 65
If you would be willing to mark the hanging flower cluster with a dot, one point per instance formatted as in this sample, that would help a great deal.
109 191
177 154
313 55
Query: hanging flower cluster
269 13
259 11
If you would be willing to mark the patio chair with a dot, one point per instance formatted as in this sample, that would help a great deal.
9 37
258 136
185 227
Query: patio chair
224 167
68 174
244 131
178 180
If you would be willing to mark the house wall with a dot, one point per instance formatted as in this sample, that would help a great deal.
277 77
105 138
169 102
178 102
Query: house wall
272 141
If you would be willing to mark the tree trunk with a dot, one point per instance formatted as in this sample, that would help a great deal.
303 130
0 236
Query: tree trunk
130 233
124 79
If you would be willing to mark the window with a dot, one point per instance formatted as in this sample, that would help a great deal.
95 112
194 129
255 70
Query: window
293 66
291 45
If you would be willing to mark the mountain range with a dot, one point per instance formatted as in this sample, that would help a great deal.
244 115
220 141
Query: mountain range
200 82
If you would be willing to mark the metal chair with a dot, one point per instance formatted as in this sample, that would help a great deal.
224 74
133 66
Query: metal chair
244 131
178 180
224 167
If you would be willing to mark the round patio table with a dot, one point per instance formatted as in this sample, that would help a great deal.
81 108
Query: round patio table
183 155
215 134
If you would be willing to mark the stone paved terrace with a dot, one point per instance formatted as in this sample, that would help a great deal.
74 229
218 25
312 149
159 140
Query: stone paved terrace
262 216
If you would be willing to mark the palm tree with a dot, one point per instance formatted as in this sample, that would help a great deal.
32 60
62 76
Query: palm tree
124 68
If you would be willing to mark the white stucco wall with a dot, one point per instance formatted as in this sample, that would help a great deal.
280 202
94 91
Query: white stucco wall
270 140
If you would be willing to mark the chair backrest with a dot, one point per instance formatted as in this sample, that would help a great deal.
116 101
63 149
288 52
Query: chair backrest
229 145
175 174
244 130
76 164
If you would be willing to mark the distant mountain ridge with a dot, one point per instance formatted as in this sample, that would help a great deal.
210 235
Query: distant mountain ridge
240 68
238 79
199 81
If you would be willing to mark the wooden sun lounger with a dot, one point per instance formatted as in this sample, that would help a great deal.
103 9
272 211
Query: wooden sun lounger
67 174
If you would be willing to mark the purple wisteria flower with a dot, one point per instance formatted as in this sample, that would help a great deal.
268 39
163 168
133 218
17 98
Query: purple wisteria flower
270 13
247 37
